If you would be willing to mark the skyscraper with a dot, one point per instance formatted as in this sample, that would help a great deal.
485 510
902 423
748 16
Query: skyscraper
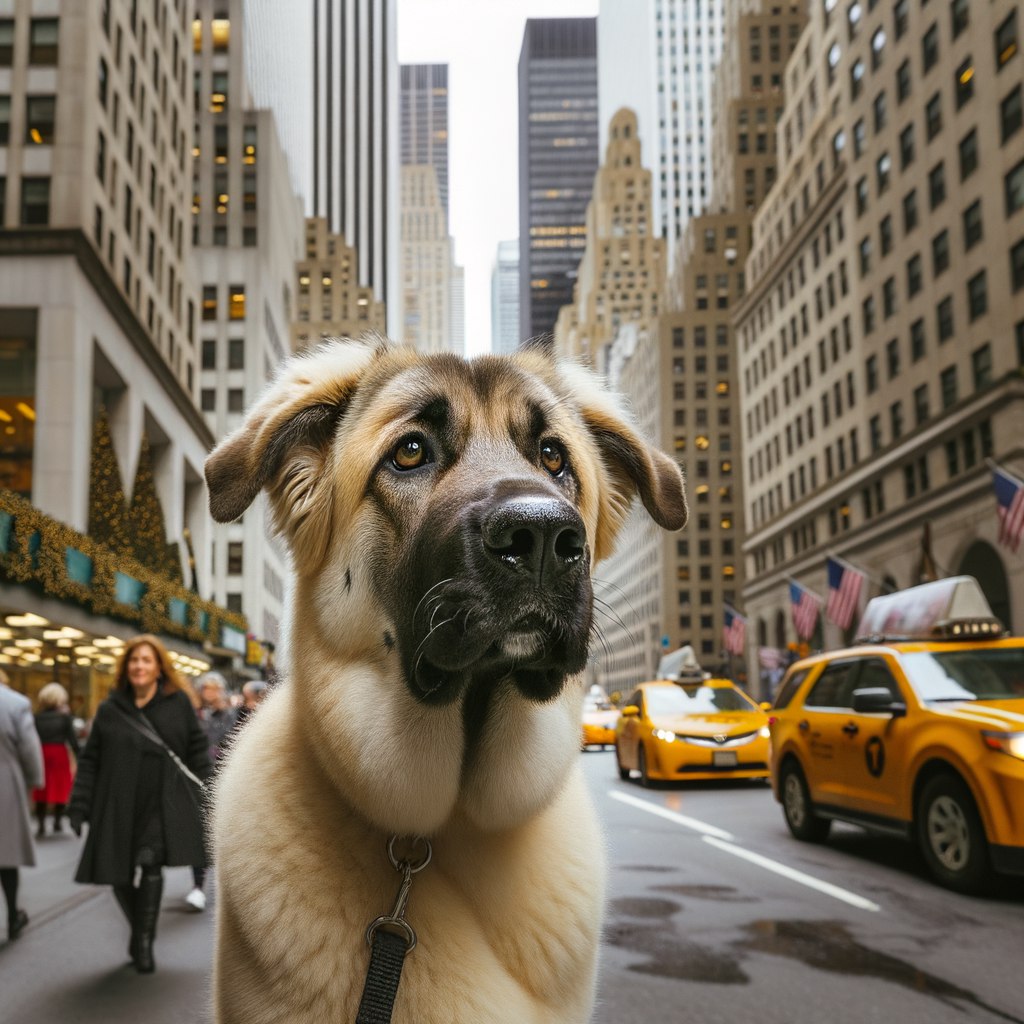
658 57
423 109
558 157
505 298
355 136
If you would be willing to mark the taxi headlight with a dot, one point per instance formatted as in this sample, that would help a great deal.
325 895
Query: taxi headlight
1011 743
664 734
765 732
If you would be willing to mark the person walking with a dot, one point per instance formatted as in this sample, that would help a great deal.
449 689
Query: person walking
57 735
21 768
138 786
218 720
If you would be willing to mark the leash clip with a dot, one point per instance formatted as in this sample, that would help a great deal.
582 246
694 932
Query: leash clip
409 866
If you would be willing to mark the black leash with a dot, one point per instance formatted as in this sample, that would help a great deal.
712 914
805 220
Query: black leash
390 937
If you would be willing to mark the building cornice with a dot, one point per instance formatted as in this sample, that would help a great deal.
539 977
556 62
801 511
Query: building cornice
30 242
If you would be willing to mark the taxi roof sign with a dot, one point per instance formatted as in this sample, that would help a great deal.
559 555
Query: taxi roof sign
951 609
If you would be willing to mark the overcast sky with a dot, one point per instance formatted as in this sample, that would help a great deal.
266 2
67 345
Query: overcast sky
479 40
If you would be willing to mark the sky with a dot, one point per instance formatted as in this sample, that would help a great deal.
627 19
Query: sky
480 41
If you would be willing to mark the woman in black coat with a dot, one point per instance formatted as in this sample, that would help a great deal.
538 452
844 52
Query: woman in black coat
142 809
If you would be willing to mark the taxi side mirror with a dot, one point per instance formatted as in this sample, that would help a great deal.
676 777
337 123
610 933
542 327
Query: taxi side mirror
766 705
630 711
877 700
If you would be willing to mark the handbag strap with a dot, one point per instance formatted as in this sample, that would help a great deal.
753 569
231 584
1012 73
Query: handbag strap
143 725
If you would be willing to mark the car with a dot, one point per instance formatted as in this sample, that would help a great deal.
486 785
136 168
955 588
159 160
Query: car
915 731
599 718
691 729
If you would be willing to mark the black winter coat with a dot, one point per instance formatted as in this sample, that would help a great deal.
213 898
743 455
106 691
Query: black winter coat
107 791
56 726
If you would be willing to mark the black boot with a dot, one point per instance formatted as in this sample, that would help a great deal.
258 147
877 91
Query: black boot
58 814
147 910
125 895
41 818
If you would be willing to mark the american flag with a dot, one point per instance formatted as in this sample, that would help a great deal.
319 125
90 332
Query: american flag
771 657
805 610
1010 496
734 632
844 587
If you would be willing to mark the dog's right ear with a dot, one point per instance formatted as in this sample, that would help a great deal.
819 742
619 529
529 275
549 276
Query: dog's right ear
284 440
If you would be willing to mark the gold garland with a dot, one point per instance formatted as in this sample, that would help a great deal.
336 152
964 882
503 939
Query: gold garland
37 553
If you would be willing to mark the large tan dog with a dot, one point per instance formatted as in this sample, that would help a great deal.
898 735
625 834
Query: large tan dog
443 518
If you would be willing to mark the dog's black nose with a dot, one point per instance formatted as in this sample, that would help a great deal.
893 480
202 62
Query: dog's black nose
537 535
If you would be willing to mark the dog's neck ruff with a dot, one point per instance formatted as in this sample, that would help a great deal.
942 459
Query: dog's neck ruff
388 948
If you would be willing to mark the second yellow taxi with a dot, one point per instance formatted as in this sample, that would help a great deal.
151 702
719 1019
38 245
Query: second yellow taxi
704 729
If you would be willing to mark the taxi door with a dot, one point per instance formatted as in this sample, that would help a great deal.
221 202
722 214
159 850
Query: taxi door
819 737
870 748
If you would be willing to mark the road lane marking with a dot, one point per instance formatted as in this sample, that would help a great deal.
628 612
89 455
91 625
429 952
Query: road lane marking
663 812
725 842
796 876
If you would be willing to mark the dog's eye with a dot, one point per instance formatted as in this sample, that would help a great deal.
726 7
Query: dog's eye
410 453
553 457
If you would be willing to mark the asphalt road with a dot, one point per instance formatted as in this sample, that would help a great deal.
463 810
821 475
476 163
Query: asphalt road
714 913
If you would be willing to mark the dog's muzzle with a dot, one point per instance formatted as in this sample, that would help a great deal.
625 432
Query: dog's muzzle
505 593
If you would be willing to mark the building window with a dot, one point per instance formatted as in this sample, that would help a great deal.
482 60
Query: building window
906 146
964 82
968 154
103 77
862 195
236 354
892 358
249 144
219 92
914 275
981 366
940 253
903 81
1014 189
875 433
944 318
209 355
933 117
896 420
917 340
236 400
1010 113
882 169
35 201
870 375
235 558
868 313
921 404
40 112
249 190
959 16
210 302
1017 266
930 48
236 307
910 211
249 236
233 603
947 386
885 234
977 296
972 225
6 42
220 143
937 185
877 48
208 399
889 297
1006 40
5 120
42 47
221 32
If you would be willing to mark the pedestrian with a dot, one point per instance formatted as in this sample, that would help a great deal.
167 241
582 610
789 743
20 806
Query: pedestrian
139 787
21 768
254 693
57 734
218 719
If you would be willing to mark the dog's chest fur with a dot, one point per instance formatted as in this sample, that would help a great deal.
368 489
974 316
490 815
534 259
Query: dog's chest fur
507 927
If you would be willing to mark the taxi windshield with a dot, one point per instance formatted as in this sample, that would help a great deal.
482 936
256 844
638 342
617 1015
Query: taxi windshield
695 700
978 674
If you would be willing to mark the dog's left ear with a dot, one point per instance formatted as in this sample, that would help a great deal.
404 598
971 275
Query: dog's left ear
633 466
283 442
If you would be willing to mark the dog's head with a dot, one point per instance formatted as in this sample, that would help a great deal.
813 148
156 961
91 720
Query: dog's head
444 515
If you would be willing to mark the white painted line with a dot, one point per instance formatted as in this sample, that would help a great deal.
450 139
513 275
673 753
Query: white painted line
663 812
793 875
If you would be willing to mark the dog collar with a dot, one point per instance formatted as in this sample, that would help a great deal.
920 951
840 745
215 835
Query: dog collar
390 937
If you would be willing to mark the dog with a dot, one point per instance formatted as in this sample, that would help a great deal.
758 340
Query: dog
443 517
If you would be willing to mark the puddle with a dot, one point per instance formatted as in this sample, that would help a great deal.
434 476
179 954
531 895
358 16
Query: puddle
718 893
660 868
641 907
828 946
668 956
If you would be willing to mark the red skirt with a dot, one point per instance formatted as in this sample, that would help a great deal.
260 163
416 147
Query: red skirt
56 788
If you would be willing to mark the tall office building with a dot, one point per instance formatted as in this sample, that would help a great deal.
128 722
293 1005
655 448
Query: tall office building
657 57
423 109
882 335
680 372
247 229
505 298
558 157
356 184
101 443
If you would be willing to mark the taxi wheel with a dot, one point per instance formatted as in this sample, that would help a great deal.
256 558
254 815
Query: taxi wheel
951 835
798 809
641 757
623 772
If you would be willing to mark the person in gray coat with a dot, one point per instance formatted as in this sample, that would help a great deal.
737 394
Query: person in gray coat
21 769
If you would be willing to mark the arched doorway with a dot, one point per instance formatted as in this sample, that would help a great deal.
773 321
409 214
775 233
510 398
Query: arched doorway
982 561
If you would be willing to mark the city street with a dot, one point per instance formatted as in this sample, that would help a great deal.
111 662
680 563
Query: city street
701 925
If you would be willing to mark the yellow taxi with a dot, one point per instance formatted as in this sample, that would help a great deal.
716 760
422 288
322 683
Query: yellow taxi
916 731
599 718
691 729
